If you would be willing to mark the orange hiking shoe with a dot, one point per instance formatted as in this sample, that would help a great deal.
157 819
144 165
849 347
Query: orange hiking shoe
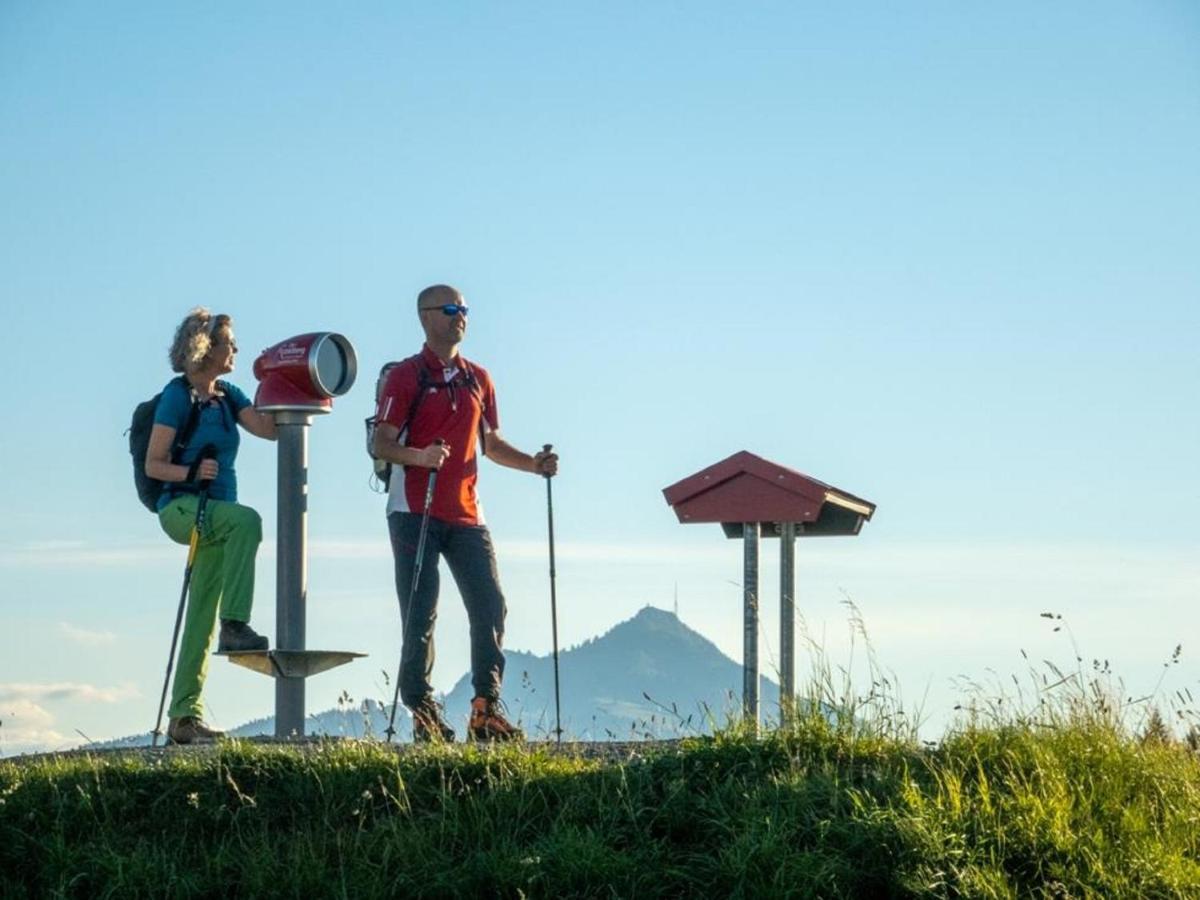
487 723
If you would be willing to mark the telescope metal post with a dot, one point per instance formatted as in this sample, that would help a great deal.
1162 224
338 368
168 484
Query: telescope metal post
291 564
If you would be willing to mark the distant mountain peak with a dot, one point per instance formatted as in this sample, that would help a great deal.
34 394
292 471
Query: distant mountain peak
650 613
653 624
650 619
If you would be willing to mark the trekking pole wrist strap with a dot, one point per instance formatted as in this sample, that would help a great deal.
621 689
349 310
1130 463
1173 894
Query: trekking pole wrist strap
193 470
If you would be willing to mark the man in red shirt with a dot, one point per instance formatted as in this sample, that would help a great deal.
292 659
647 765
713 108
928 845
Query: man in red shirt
433 410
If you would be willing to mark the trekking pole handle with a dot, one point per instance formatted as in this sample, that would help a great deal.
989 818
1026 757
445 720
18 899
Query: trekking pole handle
209 452
546 448
437 442
429 485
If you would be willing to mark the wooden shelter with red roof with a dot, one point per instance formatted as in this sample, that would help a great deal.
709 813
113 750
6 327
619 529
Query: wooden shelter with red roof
751 497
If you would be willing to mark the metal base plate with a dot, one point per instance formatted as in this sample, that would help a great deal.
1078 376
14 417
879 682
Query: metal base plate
290 663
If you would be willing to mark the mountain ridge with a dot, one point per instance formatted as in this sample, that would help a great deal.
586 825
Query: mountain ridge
647 677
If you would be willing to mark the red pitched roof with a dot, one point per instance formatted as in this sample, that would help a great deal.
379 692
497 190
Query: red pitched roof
748 488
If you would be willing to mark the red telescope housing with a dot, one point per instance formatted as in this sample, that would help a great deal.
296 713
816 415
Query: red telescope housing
304 373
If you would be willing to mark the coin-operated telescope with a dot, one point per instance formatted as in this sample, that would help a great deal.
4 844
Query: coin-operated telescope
305 373
298 378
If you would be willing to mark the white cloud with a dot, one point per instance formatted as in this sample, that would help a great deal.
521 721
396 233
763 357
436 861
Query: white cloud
18 692
51 546
342 549
584 551
25 727
70 554
27 714
944 561
27 724
85 637
588 551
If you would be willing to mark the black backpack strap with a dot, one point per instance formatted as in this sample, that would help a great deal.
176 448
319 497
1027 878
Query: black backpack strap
191 423
226 406
476 390
424 383
184 434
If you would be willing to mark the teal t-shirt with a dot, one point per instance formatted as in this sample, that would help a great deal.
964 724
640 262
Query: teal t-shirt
217 425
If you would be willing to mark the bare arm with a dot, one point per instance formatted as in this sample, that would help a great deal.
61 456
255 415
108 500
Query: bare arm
387 446
158 459
503 453
259 424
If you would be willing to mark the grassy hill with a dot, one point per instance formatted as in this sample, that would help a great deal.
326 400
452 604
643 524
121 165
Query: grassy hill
1080 809
1069 789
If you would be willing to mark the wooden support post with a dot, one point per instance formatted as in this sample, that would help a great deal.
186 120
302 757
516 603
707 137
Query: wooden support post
750 625
787 622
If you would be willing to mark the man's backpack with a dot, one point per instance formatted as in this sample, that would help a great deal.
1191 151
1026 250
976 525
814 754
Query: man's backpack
382 474
150 489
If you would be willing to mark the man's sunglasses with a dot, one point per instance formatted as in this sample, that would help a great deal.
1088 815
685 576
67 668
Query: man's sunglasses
449 309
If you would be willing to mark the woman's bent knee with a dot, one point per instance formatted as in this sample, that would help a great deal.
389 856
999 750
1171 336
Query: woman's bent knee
176 521
248 522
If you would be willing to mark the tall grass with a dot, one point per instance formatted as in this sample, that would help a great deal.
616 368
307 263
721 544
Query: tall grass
1060 790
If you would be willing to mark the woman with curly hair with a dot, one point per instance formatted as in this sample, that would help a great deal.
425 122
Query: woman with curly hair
204 349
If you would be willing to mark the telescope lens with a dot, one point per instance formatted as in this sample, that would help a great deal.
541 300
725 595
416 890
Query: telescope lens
331 367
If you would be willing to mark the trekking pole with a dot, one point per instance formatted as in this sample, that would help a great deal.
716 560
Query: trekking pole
391 729
553 603
209 452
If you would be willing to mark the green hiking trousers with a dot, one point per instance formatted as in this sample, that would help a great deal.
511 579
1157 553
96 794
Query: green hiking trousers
222 578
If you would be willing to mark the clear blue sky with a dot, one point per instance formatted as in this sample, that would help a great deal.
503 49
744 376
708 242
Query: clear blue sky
943 256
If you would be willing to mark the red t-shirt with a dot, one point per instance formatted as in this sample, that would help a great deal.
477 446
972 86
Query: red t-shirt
460 395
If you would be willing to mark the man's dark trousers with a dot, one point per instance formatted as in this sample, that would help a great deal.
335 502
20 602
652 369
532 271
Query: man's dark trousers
468 551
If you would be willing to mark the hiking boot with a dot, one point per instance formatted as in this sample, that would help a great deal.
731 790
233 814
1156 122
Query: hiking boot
236 636
191 730
429 726
487 723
